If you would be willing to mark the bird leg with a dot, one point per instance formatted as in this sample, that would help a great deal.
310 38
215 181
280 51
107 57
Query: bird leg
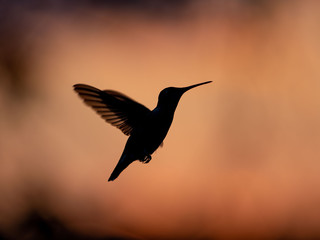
146 159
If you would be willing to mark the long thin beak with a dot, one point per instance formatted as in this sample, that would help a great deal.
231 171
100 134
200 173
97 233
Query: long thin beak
193 86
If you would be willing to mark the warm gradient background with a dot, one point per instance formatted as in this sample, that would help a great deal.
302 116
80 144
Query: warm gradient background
241 160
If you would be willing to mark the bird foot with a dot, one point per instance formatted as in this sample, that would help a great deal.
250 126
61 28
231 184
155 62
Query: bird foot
146 159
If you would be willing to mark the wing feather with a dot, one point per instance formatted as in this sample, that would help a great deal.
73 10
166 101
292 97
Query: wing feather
114 107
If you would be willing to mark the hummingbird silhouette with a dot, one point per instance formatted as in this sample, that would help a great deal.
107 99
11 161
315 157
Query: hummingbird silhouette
146 129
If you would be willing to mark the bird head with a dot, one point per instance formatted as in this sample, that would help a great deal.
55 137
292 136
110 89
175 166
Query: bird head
169 97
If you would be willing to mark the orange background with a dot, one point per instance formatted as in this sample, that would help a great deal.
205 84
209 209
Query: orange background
242 158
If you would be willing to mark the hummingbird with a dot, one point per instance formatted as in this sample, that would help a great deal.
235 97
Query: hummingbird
146 129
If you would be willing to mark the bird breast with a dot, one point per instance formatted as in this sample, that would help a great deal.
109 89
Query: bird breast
152 131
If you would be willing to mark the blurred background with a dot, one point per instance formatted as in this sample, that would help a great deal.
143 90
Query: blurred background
241 160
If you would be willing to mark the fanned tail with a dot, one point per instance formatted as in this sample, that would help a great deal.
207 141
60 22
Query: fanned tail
123 163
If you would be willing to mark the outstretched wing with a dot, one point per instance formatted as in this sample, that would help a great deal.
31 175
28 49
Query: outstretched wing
114 107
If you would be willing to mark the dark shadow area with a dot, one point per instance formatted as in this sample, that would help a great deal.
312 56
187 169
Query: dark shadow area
15 51
154 6
38 226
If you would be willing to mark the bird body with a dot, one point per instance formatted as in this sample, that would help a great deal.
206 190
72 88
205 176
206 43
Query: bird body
146 129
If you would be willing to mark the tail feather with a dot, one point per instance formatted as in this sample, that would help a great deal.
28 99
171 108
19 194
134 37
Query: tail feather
123 163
